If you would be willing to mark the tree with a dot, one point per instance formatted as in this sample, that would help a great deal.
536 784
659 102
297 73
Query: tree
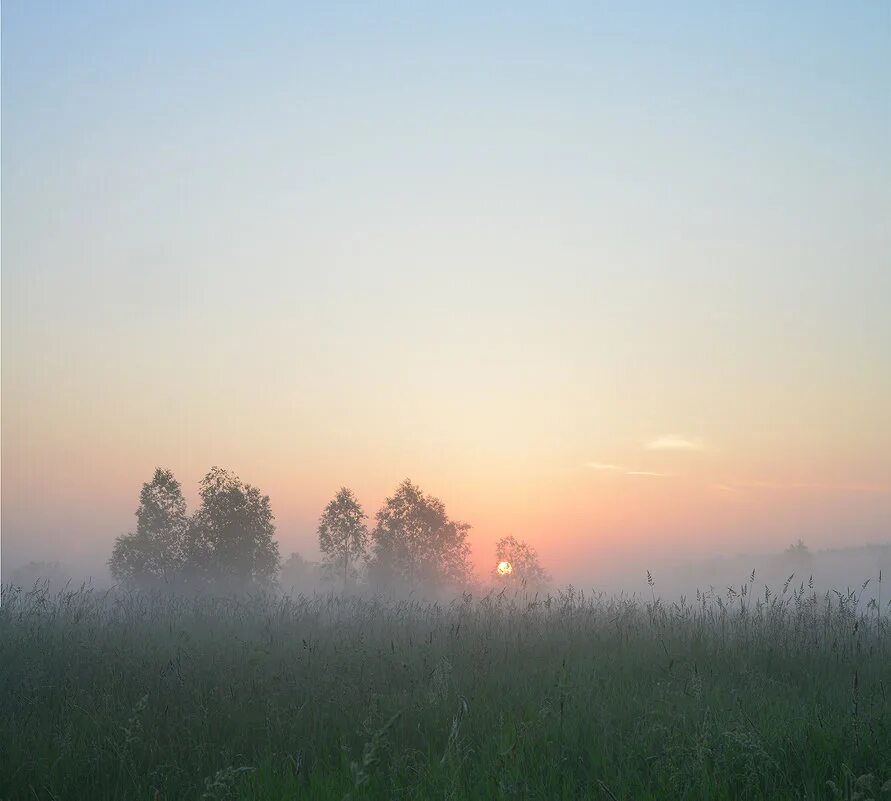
343 535
294 571
154 555
798 556
415 544
299 575
523 565
231 535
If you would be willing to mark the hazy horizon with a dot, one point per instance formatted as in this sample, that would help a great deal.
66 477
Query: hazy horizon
614 280
620 569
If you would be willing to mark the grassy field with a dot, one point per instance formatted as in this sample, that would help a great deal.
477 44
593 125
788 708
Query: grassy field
572 697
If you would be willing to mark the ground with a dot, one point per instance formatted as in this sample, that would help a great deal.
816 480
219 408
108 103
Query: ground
573 697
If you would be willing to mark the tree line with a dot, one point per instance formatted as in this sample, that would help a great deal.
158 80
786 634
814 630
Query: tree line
228 545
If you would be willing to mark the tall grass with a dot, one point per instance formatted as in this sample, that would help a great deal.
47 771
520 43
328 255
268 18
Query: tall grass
742 695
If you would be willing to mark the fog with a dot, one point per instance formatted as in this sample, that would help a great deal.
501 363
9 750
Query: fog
223 539
836 569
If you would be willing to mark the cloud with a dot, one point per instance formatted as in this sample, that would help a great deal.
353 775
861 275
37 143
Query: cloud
674 442
614 468
604 466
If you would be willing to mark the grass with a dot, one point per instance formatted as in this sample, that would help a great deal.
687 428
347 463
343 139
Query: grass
570 697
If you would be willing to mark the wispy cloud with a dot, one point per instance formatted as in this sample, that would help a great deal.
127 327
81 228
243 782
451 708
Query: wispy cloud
615 468
674 442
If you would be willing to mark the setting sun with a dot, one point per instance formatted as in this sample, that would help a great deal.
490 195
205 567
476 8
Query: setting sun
505 568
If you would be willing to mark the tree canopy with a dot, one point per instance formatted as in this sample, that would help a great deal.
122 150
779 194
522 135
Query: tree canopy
155 554
227 545
524 565
415 545
232 545
343 535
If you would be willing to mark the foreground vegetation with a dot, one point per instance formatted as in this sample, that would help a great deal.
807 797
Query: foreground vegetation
569 697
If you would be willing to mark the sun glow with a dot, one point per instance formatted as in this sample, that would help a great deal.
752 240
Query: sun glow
505 568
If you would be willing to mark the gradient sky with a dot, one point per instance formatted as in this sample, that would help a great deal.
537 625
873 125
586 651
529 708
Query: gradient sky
614 278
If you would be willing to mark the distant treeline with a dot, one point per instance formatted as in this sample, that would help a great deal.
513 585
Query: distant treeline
836 569
227 544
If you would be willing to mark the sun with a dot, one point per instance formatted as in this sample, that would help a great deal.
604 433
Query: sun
505 568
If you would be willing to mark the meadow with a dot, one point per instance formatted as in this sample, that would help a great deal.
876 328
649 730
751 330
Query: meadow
739 695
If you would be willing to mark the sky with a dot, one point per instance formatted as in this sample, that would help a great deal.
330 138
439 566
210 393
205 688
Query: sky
611 277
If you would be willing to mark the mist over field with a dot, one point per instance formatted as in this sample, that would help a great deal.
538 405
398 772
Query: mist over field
838 569
572 695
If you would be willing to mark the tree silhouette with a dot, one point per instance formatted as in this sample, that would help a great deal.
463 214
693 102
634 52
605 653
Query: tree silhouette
299 575
524 565
343 535
798 556
154 555
415 545
231 544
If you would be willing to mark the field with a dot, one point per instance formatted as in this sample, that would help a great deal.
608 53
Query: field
743 696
